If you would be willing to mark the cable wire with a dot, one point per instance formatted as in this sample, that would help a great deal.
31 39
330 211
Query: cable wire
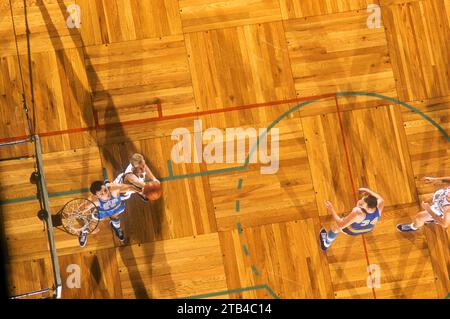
24 102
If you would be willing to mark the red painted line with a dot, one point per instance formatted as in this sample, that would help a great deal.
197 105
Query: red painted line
160 113
355 194
166 118
13 139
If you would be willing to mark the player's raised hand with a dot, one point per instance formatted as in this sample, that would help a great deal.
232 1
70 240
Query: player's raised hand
328 204
364 190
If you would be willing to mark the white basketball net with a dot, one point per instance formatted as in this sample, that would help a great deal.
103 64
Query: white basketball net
78 215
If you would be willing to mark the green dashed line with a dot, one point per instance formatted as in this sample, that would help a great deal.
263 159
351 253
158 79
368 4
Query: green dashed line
169 166
255 270
239 228
238 206
245 249
239 184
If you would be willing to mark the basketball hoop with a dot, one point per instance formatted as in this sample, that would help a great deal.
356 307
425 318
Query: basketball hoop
79 215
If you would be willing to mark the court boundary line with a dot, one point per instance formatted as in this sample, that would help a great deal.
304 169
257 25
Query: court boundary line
274 123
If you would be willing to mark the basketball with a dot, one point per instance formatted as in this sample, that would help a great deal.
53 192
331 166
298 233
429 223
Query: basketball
152 190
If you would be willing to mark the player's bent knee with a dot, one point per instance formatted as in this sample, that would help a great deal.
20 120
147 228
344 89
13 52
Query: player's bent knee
423 216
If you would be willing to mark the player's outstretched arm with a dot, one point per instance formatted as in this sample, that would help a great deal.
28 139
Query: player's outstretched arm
355 216
330 208
123 188
376 195
134 180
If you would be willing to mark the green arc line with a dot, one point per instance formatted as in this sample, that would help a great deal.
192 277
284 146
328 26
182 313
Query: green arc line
410 107
297 107
226 292
253 149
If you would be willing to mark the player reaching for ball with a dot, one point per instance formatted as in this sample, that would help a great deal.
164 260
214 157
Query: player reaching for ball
135 174
361 220
436 213
110 204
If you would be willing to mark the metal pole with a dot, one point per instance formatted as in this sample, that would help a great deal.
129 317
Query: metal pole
33 293
46 206
15 143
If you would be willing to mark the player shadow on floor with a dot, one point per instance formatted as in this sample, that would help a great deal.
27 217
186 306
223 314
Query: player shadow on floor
140 214
396 286
96 273
76 84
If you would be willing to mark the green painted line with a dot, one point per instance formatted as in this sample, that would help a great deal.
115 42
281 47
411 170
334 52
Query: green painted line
238 206
226 292
240 230
448 296
274 295
169 166
408 106
245 249
50 195
282 116
204 173
239 184
73 192
17 200
255 270
104 173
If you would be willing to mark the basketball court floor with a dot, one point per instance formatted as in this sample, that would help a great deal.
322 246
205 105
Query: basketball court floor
356 104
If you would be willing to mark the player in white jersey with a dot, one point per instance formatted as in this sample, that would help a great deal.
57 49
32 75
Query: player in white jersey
135 174
438 212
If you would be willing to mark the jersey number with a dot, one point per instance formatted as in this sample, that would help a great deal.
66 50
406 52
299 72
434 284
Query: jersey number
366 222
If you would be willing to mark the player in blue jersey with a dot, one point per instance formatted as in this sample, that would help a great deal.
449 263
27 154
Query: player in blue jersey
110 204
361 220
436 212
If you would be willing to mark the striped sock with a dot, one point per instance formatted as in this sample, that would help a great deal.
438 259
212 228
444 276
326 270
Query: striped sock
115 222
331 236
